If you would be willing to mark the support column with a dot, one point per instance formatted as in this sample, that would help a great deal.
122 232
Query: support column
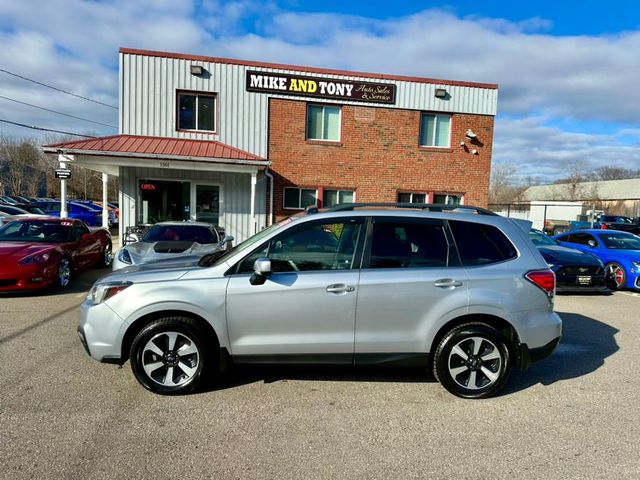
105 207
63 189
254 181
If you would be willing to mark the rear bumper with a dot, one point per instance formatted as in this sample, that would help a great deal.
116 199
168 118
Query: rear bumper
527 356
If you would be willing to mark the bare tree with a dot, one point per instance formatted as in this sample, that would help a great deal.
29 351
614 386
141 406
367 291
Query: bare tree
21 166
615 173
504 187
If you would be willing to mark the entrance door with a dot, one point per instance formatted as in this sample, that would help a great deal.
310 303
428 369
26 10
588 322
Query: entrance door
206 204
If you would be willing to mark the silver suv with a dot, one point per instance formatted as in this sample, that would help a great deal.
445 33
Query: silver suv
456 290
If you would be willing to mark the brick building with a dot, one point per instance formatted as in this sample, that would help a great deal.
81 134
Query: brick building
242 143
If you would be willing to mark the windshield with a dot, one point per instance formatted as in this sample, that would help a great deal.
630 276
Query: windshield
620 241
36 231
214 258
180 233
539 238
615 219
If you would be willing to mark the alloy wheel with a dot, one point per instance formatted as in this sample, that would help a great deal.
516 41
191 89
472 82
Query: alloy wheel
474 363
170 359
616 273
64 272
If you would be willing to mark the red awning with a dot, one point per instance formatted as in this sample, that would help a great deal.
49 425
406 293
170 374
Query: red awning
141 146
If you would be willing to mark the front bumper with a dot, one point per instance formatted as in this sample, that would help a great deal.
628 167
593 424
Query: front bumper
30 277
101 331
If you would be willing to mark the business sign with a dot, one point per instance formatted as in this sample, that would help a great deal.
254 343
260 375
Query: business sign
63 173
332 88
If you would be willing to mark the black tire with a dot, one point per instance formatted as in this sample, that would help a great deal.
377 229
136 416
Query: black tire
64 273
106 256
615 276
172 373
492 355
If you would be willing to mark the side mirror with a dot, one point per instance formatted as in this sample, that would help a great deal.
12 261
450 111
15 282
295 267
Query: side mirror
592 243
262 270
227 240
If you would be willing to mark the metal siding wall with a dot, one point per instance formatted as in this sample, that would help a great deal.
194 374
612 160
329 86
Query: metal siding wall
148 102
236 194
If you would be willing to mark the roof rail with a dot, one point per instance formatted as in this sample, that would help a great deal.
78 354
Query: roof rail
431 207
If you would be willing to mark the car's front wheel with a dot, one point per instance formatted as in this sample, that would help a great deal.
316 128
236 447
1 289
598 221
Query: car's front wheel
472 361
615 276
169 355
63 277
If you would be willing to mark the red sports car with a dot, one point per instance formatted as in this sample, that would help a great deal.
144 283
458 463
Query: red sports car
38 252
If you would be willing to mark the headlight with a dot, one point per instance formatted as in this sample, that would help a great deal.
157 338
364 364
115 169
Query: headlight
124 256
103 291
636 264
37 258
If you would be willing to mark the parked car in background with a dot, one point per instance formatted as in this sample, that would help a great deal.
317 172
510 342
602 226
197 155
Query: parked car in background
7 200
173 240
39 252
462 293
619 251
20 212
575 270
92 216
619 222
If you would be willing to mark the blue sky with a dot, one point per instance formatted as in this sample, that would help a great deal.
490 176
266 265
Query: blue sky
568 71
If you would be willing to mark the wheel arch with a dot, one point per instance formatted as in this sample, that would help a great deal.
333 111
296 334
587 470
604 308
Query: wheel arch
136 326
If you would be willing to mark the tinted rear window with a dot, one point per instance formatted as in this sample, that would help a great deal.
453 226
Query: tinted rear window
480 244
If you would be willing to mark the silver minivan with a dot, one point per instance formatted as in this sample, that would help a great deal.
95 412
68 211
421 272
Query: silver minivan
454 290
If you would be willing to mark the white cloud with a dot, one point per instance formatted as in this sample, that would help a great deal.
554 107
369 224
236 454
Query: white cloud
73 44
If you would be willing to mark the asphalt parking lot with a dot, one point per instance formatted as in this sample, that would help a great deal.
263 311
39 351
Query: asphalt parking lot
63 415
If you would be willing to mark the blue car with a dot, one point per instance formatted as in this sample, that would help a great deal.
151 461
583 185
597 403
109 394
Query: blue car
76 210
619 251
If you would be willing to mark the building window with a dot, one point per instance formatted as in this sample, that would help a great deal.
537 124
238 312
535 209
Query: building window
323 123
334 197
435 130
447 199
405 197
196 112
300 198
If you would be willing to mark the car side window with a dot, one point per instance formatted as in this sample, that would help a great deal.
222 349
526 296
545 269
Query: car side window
309 247
399 243
78 230
480 244
582 238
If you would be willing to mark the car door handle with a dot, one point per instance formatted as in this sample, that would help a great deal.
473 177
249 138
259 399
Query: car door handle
340 288
447 282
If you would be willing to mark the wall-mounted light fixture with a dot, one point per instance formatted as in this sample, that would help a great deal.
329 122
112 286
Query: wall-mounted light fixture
441 93
196 70
470 134
474 151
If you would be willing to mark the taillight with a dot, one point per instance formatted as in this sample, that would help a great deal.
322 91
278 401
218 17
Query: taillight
603 227
543 279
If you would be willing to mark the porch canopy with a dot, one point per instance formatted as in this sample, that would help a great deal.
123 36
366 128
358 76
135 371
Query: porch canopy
109 154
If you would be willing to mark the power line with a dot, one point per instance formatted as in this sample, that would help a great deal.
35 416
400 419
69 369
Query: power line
59 113
45 129
57 89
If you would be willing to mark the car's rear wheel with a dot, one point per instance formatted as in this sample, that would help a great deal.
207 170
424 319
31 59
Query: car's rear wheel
616 277
63 277
106 256
169 356
472 361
